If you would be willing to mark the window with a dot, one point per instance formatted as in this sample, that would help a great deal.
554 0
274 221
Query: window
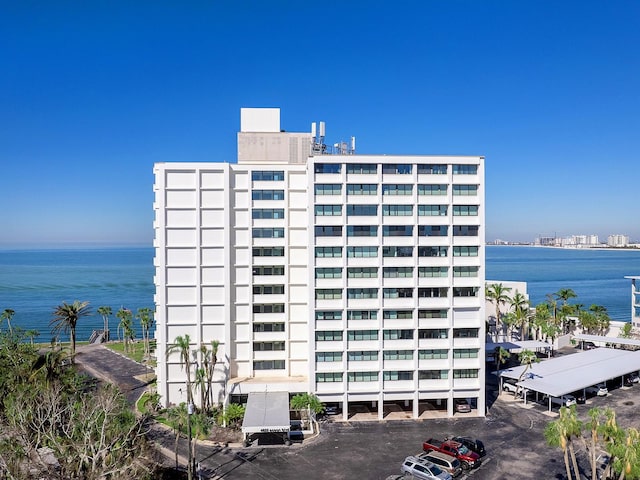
465 169
268 270
432 230
465 291
362 314
267 194
335 272
432 251
329 315
360 335
362 210
398 292
465 251
328 252
328 231
327 189
397 272
397 168
465 210
397 210
396 376
465 230
465 373
433 374
465 333
268 232
268 308
362 168
465 271
328 293
364 252
432 169
397 251
362 272
362 189
329 336
331 377
402 189
268 213
268 346
327 168
268 289
267 175
268 251
268 365
398 354
359 293
362 376
432 189
268 327
432 210
362 231
363 356
433 333
397 230
434 313
433 354
328 357
465 353
397 314
398 335
328 210
465 189
432 272
432 292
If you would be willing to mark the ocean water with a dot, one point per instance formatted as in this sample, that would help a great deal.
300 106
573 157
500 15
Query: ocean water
34 282
596 276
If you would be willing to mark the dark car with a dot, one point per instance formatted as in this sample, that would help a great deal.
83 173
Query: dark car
474 445
580 398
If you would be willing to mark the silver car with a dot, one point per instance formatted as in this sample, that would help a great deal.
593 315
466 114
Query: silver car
423 469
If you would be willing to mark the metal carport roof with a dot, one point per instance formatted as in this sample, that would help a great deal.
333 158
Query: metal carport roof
601 339
267 412
570 373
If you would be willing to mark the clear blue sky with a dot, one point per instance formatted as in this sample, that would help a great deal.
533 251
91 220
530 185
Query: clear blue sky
93 93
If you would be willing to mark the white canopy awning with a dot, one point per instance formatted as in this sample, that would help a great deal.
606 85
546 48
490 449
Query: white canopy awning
603 339
267 412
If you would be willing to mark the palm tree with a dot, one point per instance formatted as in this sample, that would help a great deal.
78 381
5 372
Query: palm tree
145 315
65 318
178 417
502 355
526 357
201 425
209 359
8 315
596 415
558 434
125 316
497 294
182 345
105 312
565 294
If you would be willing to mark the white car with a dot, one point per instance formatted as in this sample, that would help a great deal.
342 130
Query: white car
424 470
564 400
599 390
509 386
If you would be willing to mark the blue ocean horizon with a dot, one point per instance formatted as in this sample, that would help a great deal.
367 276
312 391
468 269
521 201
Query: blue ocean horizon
33 282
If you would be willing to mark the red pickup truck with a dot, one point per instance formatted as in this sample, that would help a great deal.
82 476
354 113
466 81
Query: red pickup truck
468 458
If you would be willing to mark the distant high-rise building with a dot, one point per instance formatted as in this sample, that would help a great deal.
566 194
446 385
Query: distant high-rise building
618 240
358 278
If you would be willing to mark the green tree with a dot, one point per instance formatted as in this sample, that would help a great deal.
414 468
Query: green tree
126 325
564 295
145 315
209 357
7 315
177 417
105 312
559 433
307 402
527 358
233 415
182 346
626 331
496 293
501 355
65 319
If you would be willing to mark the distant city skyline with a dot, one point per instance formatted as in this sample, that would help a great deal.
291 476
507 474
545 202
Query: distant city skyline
94 94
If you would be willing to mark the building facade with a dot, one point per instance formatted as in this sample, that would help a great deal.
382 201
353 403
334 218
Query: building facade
359 278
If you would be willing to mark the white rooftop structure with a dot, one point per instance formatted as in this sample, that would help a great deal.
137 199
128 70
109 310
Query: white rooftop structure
603 339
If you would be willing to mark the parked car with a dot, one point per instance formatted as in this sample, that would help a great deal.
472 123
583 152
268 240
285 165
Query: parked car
563 401
467 458
633 377
580 397
600 390
474 445
446 462
461 405
509 386
332 410
423 469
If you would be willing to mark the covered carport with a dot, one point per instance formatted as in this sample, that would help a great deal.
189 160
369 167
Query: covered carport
601 340
516 347
267 413
570 373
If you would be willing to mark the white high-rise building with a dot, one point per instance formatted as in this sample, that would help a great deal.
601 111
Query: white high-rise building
359 278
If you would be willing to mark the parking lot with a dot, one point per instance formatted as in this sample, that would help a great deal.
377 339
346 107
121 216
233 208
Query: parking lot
512 434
